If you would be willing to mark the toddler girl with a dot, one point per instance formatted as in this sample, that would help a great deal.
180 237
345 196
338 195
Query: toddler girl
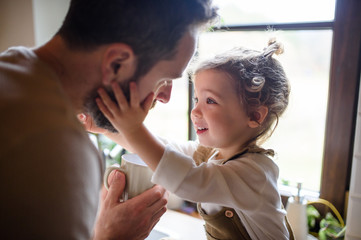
239 97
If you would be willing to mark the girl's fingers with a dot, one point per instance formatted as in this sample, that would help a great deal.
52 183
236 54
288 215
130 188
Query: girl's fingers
148 102
119 96
112 106
103 108
113 109
134 95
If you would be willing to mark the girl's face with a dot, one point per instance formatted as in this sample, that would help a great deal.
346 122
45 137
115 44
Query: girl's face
218 115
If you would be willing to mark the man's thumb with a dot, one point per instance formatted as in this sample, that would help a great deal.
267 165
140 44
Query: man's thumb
117 184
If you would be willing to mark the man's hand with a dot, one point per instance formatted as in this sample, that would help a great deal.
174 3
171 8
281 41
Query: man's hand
135 218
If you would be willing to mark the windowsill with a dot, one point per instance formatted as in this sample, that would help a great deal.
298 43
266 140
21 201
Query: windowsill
288 191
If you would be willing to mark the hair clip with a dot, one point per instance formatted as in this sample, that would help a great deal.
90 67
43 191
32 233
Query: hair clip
257 84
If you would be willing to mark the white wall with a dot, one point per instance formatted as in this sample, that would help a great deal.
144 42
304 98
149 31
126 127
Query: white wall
48 17
353 221
16 24
30 22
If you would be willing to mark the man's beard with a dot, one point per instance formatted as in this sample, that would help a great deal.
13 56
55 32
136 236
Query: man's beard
93 110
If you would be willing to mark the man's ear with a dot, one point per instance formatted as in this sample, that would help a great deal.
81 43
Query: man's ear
118 63
257 117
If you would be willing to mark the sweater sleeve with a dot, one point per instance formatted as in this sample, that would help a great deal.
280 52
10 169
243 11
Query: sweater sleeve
235 184
172 169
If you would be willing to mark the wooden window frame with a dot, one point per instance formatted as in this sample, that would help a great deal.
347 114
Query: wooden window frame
342 103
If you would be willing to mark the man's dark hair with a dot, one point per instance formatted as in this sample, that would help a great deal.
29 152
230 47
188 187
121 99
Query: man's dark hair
152 28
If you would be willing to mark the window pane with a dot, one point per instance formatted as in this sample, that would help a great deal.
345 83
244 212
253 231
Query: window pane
240 12
171 120
299 137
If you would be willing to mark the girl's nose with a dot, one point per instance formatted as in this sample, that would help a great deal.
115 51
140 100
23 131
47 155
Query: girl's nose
196 113
164 92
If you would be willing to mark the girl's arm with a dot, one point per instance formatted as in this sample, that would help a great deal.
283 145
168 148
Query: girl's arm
128 119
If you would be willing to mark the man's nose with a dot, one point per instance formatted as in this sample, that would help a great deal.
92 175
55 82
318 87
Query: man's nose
164 92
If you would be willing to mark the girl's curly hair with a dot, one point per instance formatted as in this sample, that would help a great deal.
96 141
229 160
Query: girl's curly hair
260 81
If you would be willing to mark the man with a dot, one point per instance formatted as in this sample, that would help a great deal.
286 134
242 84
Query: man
50 173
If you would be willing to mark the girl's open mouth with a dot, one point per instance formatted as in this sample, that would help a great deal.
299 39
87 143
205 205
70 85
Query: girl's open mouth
201 130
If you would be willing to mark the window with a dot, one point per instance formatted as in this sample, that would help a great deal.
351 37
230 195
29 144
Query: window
246 12
299 137
171 120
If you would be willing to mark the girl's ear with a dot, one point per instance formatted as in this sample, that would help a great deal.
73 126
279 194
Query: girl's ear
257 117
118 63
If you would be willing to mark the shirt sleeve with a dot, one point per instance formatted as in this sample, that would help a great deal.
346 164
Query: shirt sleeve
235 184
172 169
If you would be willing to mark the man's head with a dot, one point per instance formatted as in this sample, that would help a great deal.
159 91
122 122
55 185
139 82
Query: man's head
151 29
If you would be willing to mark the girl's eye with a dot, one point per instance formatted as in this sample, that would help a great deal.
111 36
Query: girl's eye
195 100
210 101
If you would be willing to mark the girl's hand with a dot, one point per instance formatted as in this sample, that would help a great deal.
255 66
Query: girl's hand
126 117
